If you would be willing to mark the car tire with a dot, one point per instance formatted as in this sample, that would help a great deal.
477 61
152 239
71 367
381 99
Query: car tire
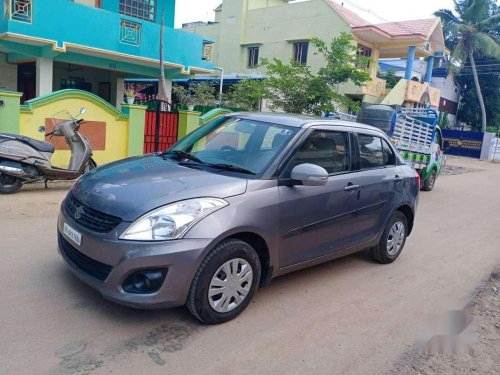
430 181
394 234
9 184
211 275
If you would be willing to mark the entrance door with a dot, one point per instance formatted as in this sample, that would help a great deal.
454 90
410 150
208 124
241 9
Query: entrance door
26 80
317 220
161 127
380 182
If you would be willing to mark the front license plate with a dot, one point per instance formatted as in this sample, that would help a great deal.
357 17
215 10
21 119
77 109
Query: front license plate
72 234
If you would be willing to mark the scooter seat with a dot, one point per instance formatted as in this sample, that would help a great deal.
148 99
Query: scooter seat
41 146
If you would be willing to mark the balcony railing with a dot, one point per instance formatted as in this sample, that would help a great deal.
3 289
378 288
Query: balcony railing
415 91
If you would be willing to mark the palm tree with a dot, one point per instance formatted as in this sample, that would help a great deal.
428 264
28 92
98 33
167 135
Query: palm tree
472 31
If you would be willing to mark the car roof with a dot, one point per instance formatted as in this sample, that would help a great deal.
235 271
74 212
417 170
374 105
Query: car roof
299 121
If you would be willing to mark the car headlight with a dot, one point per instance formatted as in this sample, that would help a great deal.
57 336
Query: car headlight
172 221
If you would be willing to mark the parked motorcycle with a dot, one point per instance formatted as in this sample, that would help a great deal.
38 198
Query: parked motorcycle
26 160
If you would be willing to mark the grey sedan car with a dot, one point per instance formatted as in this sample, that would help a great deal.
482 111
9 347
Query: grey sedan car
236 203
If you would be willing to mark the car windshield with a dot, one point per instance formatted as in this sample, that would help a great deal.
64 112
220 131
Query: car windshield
233 145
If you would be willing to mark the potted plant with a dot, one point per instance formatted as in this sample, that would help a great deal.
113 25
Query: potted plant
130 96
184 97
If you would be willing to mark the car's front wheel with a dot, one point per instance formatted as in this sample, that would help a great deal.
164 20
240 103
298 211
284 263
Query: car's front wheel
393 239
225 282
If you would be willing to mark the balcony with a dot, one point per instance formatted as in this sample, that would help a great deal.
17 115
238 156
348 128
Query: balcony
413 92
416 92
371 91
74 33
376 87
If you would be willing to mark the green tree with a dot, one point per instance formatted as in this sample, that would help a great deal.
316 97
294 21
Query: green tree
390 77
294 89
472 30
489 79
196 93
246 94
342 63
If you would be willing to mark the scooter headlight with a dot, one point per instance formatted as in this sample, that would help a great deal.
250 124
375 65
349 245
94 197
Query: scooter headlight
172 221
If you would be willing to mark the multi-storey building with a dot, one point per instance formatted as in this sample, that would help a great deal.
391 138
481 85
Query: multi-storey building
248 30
92 45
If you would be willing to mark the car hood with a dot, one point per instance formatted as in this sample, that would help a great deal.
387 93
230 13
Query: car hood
132 187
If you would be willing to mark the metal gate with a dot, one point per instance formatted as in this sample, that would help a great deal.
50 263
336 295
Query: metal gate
161 126
464 143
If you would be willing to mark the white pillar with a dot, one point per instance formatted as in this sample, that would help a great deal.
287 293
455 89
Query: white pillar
120 92
44 76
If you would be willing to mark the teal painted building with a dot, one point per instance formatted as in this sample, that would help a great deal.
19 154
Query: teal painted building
92 45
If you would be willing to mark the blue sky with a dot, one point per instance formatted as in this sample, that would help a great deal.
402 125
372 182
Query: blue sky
373 10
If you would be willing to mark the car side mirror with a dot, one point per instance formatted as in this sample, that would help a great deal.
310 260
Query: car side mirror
310 174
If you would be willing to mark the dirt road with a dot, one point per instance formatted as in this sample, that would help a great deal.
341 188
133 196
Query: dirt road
350 316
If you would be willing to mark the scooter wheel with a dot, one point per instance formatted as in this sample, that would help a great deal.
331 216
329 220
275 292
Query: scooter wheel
9 184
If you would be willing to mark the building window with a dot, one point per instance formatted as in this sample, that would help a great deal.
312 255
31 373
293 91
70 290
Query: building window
143 9
364 54
21 10
253 57
76 83
300 52
208 51
130 32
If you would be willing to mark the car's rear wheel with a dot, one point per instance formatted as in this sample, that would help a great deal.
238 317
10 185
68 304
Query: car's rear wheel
225 282
9 184
393 239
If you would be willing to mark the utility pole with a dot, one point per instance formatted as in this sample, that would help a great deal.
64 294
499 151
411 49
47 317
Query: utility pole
162 84
221 84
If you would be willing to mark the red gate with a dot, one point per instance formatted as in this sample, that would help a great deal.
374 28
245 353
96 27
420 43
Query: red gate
161 126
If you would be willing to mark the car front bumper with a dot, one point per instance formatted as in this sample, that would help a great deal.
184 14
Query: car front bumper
181 259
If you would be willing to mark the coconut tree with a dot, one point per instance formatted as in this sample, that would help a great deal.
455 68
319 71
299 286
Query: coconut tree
472 30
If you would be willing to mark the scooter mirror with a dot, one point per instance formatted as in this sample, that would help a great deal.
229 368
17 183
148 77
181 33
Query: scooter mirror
41 129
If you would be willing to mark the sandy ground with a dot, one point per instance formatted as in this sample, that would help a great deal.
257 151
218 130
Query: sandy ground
349 316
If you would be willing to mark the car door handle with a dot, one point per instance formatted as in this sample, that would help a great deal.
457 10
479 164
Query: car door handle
398 179
351 187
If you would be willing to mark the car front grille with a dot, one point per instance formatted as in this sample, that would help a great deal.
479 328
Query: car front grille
91 267
88 217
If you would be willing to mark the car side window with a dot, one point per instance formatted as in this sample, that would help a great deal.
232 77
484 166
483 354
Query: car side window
328 149
389 156
370 151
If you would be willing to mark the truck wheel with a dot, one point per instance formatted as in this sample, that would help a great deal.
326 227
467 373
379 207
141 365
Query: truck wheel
9 184
393 240
429 183
225 283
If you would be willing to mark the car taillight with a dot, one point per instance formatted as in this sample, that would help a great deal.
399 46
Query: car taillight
417 176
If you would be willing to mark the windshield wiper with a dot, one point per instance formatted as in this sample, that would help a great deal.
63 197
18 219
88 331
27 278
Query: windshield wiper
230 167
182 154
227 167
